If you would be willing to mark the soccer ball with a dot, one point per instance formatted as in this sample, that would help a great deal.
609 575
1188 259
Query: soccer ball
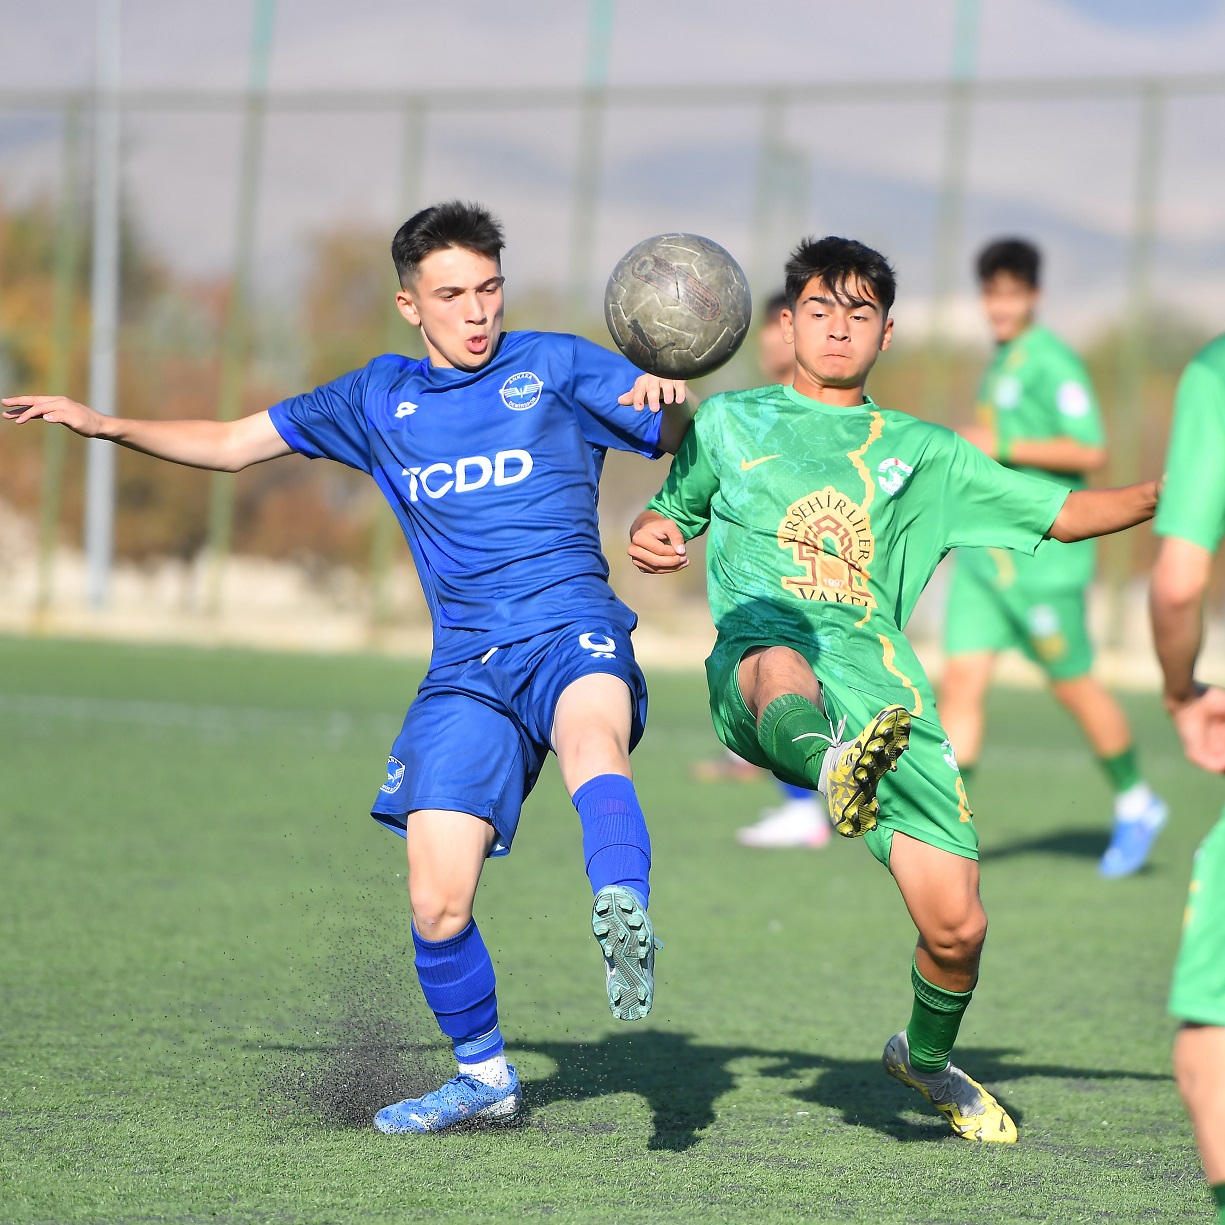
678 305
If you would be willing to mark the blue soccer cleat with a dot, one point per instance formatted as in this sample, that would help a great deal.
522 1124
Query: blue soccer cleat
463 1099
1132 838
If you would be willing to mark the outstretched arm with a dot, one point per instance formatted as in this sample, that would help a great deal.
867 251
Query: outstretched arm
1099 512
226 446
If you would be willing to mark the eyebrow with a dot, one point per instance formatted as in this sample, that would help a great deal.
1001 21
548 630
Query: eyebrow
499 280
853 304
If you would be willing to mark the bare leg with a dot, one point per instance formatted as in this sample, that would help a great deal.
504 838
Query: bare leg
1199 1065
940 890
1100 716
446 852
591 729
767 673
963 695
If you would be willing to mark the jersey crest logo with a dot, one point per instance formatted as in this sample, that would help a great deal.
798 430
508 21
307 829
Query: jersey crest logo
1007 392
892 475
830 537
521 391
395 776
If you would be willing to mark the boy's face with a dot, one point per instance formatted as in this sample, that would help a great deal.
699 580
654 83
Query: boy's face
1009 304
456 300
837 342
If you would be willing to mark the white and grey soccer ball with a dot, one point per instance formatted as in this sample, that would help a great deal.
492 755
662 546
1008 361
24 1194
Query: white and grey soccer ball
678 305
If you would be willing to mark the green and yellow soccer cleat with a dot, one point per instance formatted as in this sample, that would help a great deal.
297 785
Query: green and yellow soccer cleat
851 772
971 1111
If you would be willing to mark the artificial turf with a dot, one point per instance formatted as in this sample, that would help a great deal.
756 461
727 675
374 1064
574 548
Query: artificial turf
206 987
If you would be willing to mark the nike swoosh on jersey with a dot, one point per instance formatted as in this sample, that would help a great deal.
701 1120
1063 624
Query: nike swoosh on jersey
746 464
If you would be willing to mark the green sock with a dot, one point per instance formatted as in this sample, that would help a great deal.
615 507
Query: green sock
934 1022
1123 770
967 771
794 735
1218 1194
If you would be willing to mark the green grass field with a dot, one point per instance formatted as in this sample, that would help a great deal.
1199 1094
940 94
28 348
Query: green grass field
207 989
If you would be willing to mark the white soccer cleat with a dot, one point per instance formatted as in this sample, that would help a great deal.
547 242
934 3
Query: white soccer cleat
796 823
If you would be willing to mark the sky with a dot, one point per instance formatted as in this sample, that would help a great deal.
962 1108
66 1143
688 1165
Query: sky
859 160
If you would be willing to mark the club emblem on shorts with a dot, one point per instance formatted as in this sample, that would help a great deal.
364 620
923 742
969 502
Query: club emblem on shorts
892 475
600 645
521 391
395 776
830 537
950 757
1044 633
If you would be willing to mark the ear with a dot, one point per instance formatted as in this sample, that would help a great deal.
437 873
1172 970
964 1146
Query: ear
886 337
407 307
786 321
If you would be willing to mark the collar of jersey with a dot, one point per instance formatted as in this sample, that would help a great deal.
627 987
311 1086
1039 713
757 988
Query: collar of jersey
868 405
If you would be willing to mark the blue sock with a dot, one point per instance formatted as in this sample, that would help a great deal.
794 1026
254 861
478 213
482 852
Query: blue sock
616 845
792 792
457 980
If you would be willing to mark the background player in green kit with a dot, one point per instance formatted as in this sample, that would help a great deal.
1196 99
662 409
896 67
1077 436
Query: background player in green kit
1038 414
826 516
1191 522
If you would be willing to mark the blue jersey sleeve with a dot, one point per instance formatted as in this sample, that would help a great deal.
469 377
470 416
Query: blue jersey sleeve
329 422
599 378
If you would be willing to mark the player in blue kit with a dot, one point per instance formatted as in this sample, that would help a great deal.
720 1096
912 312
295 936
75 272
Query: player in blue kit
489 450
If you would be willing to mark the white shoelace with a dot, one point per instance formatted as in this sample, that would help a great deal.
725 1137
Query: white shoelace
835 743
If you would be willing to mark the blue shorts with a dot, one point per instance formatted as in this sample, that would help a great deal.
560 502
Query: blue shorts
477 733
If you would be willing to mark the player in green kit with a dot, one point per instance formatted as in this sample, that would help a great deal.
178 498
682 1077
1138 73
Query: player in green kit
1038 415
826 516
1191 523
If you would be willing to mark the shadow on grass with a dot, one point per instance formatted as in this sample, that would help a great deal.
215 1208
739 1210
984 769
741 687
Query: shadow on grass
1077 843
682 1079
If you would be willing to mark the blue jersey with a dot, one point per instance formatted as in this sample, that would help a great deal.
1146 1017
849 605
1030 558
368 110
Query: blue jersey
493 475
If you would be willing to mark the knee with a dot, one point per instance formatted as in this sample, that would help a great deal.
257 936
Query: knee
438 915
1187 1066
958 942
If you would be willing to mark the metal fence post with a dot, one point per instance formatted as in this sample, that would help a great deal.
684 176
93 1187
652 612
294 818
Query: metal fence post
67 242
104 305
1133 354
234 339
937 373
590 150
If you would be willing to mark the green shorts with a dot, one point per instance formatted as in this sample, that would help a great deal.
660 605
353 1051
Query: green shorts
924 798
1048 626
1198 991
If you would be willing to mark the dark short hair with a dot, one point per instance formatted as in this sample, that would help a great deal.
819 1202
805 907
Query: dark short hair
453 223
775 305
1014 256
842 264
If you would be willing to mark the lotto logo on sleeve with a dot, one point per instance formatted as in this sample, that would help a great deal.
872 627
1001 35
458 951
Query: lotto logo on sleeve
601 646
1073 400
521 391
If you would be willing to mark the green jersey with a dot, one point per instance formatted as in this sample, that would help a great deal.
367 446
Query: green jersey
1192 505
1036 388
826 523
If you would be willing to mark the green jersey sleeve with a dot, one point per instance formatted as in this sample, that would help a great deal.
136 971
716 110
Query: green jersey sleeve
691 484
988 505
1192 505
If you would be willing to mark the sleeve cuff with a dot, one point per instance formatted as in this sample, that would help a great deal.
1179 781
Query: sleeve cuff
278 414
